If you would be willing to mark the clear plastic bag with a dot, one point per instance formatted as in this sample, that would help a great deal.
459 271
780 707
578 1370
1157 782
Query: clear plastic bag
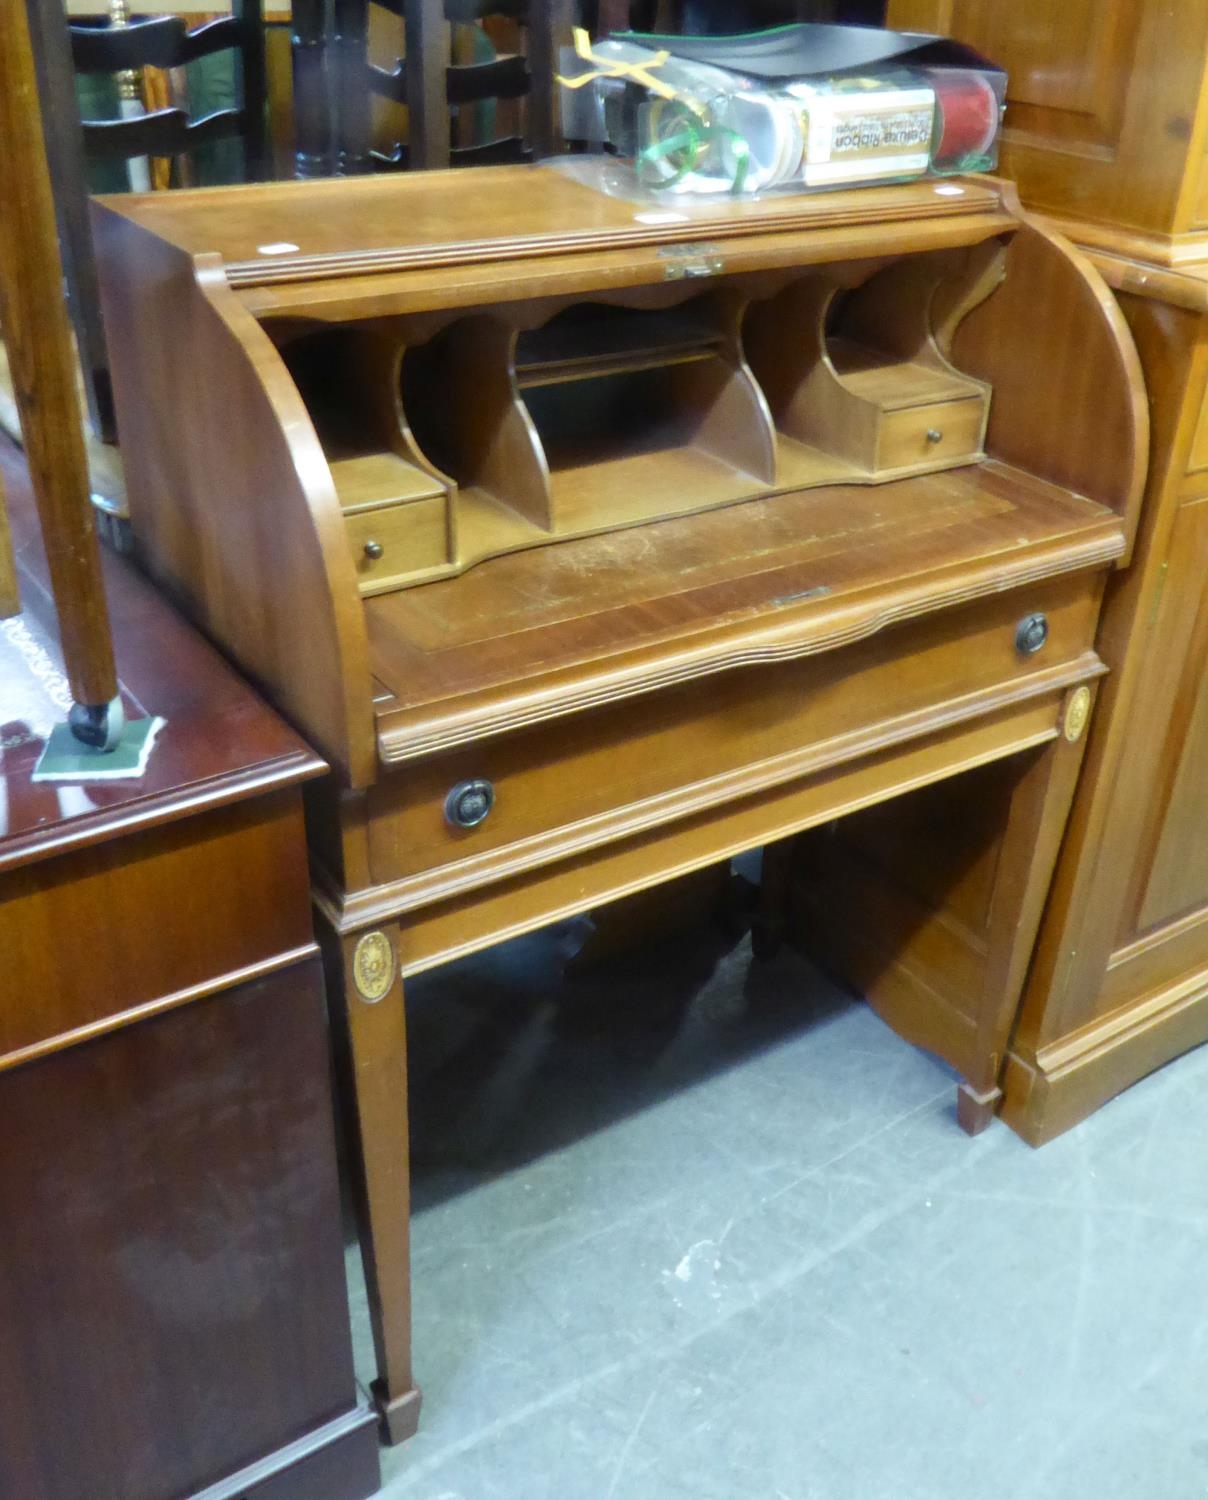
692 128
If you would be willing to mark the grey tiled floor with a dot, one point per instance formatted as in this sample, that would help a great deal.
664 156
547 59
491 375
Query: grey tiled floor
689 1226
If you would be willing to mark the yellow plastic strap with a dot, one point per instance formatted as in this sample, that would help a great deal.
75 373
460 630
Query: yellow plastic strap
609 67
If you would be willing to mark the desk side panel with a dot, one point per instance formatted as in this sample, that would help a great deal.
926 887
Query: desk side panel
231 498
1069 393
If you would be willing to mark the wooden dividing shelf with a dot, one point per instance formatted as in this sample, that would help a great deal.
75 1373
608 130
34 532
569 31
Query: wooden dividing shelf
372 479
891 384
486 527
614 341
590 367
801 466
609 414
595 493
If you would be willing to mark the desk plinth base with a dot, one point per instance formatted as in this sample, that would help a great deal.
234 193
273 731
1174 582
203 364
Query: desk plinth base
1050 1091
338 1461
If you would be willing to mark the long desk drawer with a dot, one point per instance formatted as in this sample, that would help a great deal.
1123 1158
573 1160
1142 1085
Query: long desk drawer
590 778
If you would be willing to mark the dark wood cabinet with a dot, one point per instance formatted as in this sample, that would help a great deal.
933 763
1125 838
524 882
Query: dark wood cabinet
172 1287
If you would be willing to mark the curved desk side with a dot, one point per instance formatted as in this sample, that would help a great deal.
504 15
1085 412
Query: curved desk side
230 496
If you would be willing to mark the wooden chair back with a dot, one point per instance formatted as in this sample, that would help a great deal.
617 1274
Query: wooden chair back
166 42
434 87
61 51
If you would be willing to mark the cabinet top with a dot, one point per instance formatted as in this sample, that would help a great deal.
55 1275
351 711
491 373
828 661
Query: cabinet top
220 744
268 233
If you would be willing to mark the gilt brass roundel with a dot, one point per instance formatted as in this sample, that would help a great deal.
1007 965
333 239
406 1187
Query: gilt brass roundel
373 967
1077 712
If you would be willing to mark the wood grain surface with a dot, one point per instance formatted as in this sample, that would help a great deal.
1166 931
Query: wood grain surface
10 598
173 1295
403 222
1107 132
1107 114
173 1258
265 568
219 742
676 688
1119 985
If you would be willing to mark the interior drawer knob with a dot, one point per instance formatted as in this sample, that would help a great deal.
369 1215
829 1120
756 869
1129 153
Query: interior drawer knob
1031 634
373 550
469 803
934 435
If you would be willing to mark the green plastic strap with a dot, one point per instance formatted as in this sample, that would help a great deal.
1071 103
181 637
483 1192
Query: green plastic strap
641 37
693 137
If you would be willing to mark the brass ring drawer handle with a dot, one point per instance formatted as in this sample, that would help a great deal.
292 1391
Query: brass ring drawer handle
469 803
1031 634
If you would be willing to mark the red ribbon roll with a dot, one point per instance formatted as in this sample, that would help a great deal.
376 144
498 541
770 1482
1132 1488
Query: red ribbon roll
968 115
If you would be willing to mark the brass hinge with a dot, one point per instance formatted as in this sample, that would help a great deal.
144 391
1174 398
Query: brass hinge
685 261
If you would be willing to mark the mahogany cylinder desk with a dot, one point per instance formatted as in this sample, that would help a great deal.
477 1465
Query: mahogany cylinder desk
594 542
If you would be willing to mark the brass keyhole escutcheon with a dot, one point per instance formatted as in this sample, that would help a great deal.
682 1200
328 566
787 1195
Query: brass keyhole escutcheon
373 550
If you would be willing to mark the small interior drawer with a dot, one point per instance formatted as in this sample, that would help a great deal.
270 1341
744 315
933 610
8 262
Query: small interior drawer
391 541
592 777
929 434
